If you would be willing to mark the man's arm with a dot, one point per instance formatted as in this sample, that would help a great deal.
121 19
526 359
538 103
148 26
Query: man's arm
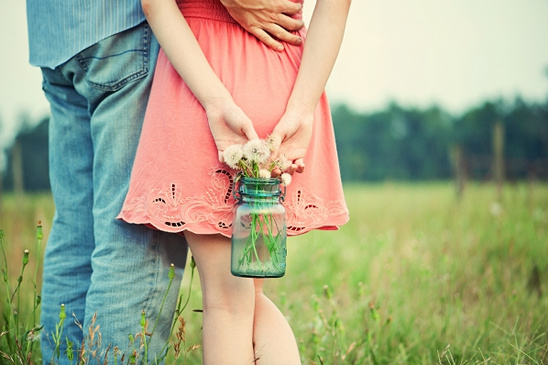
268 20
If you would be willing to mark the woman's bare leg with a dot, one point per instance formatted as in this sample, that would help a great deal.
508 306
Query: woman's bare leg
273 338
228 303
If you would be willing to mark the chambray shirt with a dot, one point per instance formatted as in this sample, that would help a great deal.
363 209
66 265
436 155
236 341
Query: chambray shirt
59 29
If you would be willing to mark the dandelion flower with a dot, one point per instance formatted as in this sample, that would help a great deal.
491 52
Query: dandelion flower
282 163
233 154
257 151
264 174
286 178
270 142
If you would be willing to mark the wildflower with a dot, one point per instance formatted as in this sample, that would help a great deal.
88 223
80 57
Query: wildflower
270 142
257 151
33 336
25 257
286 178
232 155
264 174
281 163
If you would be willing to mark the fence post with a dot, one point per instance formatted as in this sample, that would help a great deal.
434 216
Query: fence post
498 156
1 184
459 169
17 166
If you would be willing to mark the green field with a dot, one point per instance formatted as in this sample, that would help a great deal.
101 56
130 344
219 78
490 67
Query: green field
417 276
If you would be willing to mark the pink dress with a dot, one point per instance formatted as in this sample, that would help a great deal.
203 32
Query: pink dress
177 181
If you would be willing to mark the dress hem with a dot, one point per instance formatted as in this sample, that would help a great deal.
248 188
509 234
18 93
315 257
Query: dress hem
204 231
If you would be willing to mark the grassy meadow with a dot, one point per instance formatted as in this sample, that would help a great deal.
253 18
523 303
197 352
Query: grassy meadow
416 277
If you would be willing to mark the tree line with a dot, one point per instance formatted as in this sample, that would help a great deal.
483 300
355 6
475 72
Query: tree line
397 143
413 144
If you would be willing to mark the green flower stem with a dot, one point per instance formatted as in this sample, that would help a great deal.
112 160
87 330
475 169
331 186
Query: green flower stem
143 324
171 276
11 317
17 291
36 297
262 226
58 333
39 237
271 241
180 306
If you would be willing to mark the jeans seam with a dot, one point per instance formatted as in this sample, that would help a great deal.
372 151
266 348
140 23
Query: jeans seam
81 60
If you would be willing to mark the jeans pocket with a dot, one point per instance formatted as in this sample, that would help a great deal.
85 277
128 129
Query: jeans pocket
114 61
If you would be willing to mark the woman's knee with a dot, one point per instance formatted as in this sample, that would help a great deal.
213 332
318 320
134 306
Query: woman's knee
221 291
234 296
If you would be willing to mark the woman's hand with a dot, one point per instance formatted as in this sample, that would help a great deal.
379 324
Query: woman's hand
290 139
229 125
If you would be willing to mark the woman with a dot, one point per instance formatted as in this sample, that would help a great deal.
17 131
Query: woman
215 86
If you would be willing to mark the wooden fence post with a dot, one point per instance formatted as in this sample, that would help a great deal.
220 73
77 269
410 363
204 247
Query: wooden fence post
17 165
498 156
1 186
459 169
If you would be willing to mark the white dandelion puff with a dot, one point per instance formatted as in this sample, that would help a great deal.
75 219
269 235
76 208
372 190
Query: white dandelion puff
257 151
286 178
264 174
282 163
232 155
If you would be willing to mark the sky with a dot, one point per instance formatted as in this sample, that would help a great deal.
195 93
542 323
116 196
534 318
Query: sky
453 53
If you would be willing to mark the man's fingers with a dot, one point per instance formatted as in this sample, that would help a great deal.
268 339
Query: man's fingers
288 23
266 39
280 32
274 34
290 7
281 26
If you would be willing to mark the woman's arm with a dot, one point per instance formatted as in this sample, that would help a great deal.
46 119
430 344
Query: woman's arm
293 132
228 123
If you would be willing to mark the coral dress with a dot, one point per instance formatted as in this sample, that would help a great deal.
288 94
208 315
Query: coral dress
178 183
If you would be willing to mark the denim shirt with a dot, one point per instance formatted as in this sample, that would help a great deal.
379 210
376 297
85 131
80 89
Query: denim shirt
59 29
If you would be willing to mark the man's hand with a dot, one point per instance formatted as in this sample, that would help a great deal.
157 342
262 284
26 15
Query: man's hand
268 20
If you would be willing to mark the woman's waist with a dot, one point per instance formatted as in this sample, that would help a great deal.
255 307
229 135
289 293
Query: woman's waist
212 9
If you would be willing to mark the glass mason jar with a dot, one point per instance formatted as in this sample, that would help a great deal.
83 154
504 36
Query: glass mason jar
259 230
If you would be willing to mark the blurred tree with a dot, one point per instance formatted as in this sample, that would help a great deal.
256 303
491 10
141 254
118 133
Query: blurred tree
31 144
395 143
411 144
473 131
527 139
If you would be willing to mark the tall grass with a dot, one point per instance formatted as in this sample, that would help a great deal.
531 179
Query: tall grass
416 277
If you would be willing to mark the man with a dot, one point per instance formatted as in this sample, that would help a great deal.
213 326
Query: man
97 60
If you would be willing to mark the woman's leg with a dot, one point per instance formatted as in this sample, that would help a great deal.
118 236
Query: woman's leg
228 303
273 338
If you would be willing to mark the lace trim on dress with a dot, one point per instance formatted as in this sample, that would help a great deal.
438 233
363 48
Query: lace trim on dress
170 209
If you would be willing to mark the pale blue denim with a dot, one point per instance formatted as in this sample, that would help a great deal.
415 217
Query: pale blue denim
95 264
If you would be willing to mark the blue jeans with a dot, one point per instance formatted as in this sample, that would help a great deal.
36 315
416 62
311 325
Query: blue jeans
94 264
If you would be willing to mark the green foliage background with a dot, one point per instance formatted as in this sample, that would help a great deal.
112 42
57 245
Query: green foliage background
396 143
